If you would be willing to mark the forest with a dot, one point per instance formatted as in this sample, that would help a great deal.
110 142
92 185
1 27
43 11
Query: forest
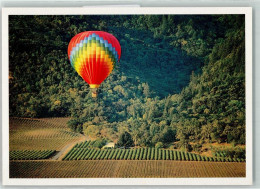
180 80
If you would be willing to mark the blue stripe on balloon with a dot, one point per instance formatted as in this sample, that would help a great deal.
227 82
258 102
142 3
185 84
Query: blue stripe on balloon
88 39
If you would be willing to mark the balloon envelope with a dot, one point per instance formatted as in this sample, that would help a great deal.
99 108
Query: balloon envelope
93 55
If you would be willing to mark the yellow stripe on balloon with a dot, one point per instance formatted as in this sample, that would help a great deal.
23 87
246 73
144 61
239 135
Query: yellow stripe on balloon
86 56
109 63
78 65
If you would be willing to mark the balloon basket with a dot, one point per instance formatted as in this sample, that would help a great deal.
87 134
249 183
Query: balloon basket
94 93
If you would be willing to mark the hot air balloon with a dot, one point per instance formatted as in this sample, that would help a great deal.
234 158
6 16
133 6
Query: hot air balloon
93 54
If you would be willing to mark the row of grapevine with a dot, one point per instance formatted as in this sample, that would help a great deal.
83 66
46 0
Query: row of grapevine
30 154
229 152
33 123
79 153
85 144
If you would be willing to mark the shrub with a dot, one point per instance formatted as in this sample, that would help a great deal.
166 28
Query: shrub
103 154
159 154
141 154
115 154
182 156
93 153
190 157
111 154
171 154
68 155
194 157
126 154
167 154
174 154
133 155
148 154
118 154
130 154
152 154
156 154
82 154
107 154
89 153
86 143
137 154
141 150
145 154
186 156
97 154
76 154
122 154
159 145
178 155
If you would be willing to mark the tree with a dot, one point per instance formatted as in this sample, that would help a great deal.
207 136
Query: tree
75 125
146 90
125 140
92 131
168 135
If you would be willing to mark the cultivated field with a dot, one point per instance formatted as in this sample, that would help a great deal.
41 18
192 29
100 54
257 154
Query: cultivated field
30 154
32 140
40 134
85 151
124 169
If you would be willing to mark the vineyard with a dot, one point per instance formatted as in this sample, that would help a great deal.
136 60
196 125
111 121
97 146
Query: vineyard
124 169
37 134
31 154
85 151
28 138
32 123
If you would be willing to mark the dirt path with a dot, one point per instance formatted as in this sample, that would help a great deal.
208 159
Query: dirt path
67 148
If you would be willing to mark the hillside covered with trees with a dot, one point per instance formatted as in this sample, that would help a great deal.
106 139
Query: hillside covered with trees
180 79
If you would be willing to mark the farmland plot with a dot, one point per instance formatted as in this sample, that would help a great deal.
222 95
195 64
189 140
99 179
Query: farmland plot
85 151
124 169
40 134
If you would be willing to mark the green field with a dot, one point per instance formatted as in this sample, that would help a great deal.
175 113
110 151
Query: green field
30 154
84 151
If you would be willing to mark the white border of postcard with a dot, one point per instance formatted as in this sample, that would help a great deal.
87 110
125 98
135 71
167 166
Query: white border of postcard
126 11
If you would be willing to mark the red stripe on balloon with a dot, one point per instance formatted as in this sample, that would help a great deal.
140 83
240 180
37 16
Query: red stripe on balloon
106 36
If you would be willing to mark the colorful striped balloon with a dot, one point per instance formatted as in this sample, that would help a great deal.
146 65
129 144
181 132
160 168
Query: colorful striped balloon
93 55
